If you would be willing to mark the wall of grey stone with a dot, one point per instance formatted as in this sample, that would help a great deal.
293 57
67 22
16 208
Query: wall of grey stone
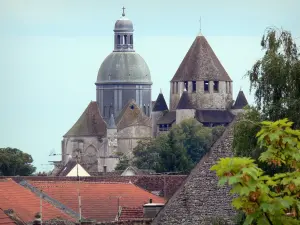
155 116
204 100
200 199
183 114
128 137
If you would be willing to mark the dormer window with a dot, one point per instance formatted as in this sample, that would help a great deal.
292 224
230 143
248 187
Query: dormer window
206 86
216 86
194 86
186 85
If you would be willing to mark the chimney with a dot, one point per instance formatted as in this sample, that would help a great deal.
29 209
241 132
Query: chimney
151 209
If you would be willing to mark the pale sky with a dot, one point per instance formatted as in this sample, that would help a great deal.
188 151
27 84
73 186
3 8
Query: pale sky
50 53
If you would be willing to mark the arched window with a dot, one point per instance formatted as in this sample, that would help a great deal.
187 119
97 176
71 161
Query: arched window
145 109
119 39
110 110
131 39
104 109
125 39
148 110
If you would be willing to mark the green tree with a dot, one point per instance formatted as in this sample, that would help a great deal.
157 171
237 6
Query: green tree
178 150
123 163
275 78
14 162
267 199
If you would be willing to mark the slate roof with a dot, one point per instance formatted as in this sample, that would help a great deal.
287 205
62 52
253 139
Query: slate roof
128 213
4 219
25 203
185 101
214 116
132 115
160 104
201 63
90 123
240 101
168 118
99 200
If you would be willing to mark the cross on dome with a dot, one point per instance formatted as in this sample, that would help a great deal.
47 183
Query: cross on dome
123 14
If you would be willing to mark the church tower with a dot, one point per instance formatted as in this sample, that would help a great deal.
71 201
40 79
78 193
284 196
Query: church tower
123 75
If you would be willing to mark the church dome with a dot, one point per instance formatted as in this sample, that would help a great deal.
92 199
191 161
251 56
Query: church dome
124 67
123 24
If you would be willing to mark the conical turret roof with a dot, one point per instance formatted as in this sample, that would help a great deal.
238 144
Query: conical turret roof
240 101
160 104
185 101
201 63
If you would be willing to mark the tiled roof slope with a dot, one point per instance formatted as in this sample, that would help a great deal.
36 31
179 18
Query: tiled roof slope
167 118
131 213
99 200
90 123
5 220
214 116
201 63
200 199
185 101
25 203
132 115
240 101
160 103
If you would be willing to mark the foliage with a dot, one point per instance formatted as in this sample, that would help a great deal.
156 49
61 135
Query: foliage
267 199
123 163
275 78
14 162
178 150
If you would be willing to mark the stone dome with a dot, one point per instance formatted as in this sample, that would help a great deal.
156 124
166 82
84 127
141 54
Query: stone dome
123 24
124 67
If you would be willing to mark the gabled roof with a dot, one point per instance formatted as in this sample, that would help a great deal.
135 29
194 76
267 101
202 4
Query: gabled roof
240 101
214 116
168 118
201 63
128 213
185 101
99 200
90 123
160 104
132 115
5 219
65 170
25 203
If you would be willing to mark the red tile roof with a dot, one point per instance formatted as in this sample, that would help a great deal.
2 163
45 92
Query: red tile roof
131 213
4 219
98 200
25 203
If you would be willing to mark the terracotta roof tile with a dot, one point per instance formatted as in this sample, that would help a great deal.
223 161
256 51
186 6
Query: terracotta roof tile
201 63
25 203
128 213
99 200
5 220
90 123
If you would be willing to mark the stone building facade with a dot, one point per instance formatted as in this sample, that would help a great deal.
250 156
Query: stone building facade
124 113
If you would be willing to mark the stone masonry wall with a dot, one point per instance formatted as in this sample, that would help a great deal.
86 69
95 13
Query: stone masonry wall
200 199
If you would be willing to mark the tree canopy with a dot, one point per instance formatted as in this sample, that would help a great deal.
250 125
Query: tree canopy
176 151
263 198
14 162
275 78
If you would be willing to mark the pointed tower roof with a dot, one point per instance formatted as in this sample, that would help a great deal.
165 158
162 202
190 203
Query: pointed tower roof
111 122
90 123
132 115
240 101
185 101
160 103
201 63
